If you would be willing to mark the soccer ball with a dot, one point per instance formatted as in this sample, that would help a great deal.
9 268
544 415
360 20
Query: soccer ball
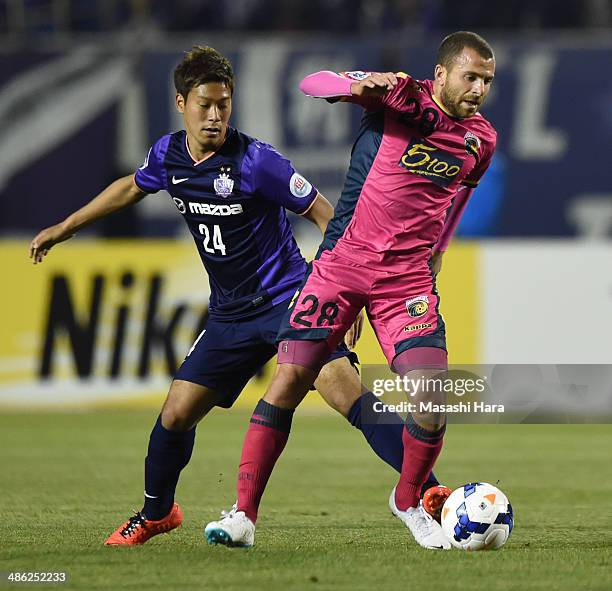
477 516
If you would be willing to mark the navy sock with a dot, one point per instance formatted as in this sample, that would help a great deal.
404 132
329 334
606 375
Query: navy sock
383 432
169 452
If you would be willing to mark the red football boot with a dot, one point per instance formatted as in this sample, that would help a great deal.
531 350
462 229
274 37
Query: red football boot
433 500
138 529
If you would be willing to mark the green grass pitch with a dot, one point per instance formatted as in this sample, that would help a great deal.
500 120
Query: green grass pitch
69 479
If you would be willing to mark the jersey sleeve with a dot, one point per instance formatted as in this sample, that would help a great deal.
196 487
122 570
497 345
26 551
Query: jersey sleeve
151 176
274 178
474 176
333 86
452 219
392 99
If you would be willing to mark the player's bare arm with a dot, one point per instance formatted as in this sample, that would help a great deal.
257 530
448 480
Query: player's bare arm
353 334
320 212
436 261
116 196
450 225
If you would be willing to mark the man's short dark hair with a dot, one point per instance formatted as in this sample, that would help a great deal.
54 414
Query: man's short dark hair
455 43
201 65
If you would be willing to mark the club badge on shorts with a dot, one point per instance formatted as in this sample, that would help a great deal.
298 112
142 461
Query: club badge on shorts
418 306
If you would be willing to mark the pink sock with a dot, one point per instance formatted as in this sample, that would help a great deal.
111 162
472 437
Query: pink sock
261 448
419 459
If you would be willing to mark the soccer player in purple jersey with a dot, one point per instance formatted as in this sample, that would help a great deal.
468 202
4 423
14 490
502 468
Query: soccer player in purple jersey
232 191
421 148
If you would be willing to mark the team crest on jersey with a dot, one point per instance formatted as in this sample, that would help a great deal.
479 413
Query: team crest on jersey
224 185
472 144
418 306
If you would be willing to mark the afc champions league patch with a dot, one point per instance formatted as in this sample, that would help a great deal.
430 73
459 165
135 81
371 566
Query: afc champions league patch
299 186
356 75
418 306
223 184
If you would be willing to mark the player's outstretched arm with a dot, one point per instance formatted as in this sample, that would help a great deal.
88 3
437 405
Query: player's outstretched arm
320 212
116 196
329 85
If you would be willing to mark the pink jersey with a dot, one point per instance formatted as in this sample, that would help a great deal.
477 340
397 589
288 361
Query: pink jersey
409 161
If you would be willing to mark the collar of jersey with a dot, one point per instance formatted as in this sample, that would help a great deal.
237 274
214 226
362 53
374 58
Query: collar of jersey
230 130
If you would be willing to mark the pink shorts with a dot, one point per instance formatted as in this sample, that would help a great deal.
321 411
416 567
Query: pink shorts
402 308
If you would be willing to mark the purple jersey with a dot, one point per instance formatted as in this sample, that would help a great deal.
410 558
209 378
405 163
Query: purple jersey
234 203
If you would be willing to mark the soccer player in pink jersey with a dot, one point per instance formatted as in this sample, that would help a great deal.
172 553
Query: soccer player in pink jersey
421 149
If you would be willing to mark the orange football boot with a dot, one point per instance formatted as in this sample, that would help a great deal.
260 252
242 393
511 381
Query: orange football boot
138 529
434 498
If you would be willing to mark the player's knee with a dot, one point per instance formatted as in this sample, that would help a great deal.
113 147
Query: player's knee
428 395
179 414
339 385
290 385
430 408
175 418
428 421
187 403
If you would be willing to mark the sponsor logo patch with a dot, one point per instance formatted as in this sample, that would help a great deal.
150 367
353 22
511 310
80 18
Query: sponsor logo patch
180 204
422 158
212 209
421 326
418 306
299 186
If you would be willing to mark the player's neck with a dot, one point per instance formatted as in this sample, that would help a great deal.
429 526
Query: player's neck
200 151
436 93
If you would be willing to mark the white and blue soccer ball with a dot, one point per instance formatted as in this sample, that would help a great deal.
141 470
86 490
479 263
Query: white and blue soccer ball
477 516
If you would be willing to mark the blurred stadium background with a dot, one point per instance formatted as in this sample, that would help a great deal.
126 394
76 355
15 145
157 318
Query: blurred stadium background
98 328
85 89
